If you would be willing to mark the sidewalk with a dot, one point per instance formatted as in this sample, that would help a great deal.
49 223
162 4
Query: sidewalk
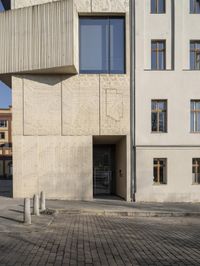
11 211
121 208
11 217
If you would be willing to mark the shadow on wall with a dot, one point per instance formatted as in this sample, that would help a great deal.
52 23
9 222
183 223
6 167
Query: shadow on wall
50 80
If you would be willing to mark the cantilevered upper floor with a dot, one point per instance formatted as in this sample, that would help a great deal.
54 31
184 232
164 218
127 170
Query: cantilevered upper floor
39 39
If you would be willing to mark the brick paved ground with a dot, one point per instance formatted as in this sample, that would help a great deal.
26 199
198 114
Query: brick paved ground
99 240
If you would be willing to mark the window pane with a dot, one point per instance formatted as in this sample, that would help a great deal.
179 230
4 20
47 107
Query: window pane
192 123
161 6
198 121
162 122
162 60
153 60
153 105
162 105
94 35
117 45
192 60
153 6
154 121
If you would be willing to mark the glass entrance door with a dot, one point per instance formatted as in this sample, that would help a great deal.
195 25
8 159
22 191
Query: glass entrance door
103 169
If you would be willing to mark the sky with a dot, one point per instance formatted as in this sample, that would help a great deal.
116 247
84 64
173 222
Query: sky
5 91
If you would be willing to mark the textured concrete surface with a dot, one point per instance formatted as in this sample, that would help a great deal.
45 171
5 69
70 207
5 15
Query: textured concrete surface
58 165
41 45
96 240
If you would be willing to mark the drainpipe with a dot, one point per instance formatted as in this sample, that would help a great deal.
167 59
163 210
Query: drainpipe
132 99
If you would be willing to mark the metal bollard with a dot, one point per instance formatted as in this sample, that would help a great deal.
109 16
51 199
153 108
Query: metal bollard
27 211
36 210
42 201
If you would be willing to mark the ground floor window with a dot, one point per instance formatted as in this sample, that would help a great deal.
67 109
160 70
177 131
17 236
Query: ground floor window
6 168
196 170
160 171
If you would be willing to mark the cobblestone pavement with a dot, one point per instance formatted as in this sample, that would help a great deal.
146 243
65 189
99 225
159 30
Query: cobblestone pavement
73 239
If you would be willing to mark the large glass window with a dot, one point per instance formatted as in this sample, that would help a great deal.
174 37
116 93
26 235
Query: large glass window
102 45
195 6
159 116
160 171
158 55
157 6
195 116
195 55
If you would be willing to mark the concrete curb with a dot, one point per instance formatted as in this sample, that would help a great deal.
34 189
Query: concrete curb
126 213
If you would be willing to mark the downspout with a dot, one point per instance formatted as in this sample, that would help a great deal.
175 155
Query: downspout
132 99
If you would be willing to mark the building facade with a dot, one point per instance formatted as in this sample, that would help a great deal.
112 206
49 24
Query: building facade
6 151
105 98
71 110
167 100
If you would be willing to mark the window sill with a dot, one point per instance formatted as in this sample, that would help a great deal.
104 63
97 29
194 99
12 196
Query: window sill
159 184
197 132
160 132
195 184
158 70
191 70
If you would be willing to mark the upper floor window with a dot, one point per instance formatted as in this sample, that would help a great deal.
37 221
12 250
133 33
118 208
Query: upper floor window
2 135
3 123
158 55
160 171
159 116
196 170
195 6
195 116
5 5
1 7
102 45
157 6
195 55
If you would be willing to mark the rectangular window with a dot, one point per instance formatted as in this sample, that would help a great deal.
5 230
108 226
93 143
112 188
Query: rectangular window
195 116
195 6
102 45
3 123
160 171
2 135
195 55
158 55
196 170
159 116
157 6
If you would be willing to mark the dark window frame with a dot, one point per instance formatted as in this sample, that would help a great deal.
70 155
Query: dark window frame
157 11
158 51
158 111
196 113
124 37
194 9
195 52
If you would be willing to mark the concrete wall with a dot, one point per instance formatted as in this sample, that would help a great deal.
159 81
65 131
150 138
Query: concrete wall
55 118
39 39
178 85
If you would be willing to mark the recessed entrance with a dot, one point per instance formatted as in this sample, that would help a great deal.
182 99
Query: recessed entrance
104 169
109 166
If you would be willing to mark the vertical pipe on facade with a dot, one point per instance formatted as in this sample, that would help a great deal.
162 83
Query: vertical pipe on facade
132 99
